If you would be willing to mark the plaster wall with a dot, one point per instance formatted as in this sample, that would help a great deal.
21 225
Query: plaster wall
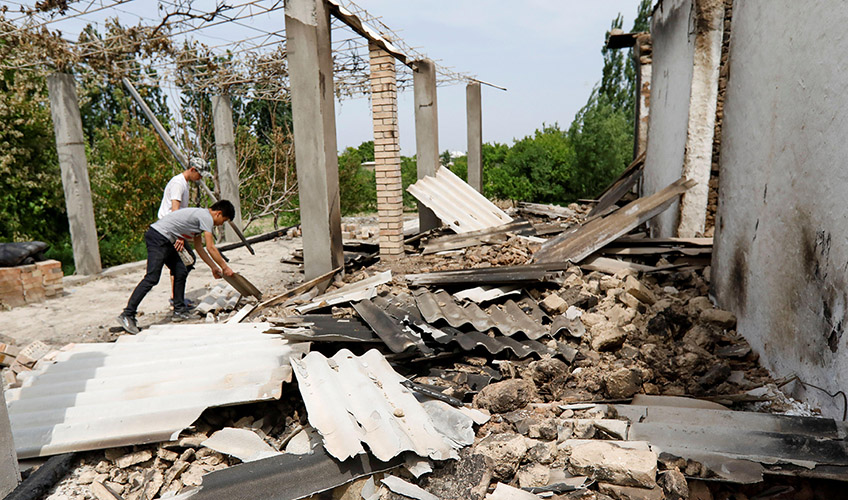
671 78
781 256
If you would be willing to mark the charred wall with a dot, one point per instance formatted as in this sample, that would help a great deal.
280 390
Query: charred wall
781 254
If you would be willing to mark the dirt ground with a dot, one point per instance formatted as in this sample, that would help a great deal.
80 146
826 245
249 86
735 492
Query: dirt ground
87 312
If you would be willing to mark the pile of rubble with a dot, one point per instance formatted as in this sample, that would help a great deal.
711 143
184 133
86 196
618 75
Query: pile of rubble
491 373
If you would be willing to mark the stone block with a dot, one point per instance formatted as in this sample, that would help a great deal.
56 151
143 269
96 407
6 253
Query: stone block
638 290
605 461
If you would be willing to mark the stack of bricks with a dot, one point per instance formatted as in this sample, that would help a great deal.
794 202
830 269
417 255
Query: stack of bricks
31 283
386 152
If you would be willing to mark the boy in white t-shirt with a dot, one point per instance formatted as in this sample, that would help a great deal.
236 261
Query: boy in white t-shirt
176 197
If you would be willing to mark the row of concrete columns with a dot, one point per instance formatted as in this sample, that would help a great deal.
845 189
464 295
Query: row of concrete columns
70 146
309 57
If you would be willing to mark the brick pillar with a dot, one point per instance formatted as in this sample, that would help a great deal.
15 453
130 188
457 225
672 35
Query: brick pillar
386 152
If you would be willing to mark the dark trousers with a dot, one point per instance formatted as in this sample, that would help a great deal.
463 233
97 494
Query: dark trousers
160 252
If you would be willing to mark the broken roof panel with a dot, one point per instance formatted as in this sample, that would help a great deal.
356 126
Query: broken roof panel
509 318
479 237
456 203
736 435
145 388
576 245
352 400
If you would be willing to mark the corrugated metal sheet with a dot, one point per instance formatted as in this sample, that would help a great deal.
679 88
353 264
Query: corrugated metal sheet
401 308
509 318
352 400
456 203
146 387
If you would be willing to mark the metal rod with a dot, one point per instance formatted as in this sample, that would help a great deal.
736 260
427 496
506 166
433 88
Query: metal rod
181 158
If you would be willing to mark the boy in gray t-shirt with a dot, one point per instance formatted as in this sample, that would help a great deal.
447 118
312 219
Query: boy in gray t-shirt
190 224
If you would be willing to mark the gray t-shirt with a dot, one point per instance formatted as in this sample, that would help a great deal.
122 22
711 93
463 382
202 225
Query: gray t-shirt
184 223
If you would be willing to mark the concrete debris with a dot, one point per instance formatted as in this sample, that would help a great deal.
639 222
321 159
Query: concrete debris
506 396
244 444
475 387
606 461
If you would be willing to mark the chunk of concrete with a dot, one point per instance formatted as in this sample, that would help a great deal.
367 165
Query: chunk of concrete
608 339
673 484
605 461
505 450
506 396
133 459
638 290
623 383
724 319
533 475
553 303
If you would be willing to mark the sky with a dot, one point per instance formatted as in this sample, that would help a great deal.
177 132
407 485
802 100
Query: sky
547 53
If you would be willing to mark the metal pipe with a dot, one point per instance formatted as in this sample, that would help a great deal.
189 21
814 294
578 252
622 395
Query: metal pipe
180 157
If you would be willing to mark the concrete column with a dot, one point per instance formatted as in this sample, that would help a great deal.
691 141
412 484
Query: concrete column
426 132
474 116
228 180
310 67
386 152
10 476
70 145
642 55
703 99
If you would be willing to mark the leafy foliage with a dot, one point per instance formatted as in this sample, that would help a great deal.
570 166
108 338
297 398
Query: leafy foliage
357 186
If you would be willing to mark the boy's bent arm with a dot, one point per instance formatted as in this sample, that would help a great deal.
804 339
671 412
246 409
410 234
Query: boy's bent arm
201 252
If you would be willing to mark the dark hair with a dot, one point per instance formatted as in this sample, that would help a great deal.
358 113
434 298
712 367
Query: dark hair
227 209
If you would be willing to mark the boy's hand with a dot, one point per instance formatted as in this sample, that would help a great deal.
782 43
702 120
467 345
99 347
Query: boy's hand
216 273
227 271
179 244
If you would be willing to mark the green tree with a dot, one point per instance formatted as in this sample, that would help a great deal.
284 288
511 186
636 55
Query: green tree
357 186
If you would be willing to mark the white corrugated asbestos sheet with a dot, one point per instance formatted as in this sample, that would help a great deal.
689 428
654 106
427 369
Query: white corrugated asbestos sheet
456 203
146 387
353 400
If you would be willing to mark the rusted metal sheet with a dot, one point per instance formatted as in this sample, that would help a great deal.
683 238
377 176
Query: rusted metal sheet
145 388
456 203
509 318
353 400
576 245
243 286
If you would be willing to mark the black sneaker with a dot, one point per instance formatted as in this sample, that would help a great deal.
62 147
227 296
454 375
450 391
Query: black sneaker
179 316
128 323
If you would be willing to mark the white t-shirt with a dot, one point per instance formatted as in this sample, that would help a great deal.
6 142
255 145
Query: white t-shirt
177 189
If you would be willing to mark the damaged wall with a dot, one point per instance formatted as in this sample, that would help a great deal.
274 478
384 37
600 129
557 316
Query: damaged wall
781 254
686 38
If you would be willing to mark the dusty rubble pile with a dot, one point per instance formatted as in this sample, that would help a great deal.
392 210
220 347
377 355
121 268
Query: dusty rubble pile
546 363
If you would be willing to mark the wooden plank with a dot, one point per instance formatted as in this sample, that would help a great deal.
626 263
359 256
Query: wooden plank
622 185
654 250
552 211
576 246
612 266
303 287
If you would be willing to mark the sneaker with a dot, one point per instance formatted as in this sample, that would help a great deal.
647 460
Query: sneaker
179 316
128 323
